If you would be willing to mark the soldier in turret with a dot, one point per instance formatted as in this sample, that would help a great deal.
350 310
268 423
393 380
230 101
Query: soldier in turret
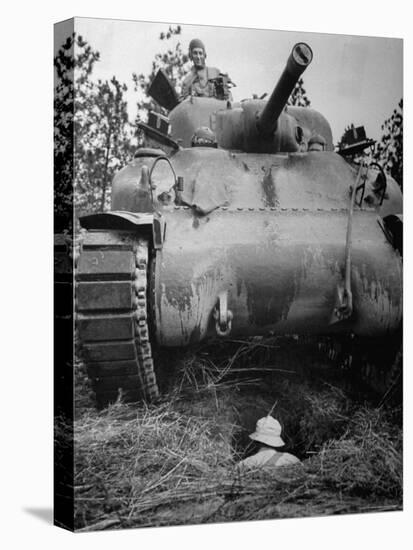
203 81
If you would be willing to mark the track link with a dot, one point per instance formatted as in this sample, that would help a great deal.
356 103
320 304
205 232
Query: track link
112 315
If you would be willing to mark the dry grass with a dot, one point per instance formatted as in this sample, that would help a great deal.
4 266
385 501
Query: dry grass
174 463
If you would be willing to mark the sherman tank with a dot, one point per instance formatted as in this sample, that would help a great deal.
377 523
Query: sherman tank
233 220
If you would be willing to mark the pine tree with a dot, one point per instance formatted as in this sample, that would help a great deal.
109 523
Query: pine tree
298 97
173 61
104 142
93 136
389 150
73 55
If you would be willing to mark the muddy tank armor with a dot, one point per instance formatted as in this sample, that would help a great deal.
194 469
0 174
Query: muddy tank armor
259 236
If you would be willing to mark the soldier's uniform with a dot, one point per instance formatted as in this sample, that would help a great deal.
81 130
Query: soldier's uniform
267 459
197 82
203 81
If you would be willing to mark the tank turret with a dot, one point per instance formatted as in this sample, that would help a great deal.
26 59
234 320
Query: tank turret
260 126
256 125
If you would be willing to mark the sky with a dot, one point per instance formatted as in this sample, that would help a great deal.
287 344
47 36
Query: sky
352 79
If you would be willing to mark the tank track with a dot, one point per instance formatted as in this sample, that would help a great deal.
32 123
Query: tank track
111 314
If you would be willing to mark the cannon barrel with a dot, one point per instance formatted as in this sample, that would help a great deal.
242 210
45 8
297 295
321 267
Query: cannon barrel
299 59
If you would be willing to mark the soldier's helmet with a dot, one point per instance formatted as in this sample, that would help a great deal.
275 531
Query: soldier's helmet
196 43
204 137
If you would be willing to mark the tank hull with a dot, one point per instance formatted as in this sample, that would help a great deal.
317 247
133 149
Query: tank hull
279 269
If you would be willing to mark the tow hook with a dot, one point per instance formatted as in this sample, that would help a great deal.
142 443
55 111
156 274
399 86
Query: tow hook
222 315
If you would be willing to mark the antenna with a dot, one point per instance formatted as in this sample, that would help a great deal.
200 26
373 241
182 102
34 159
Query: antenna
272 408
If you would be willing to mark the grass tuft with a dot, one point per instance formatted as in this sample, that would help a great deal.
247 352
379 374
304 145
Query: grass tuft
174 463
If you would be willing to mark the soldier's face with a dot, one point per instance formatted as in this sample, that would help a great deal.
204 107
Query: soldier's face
198 57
